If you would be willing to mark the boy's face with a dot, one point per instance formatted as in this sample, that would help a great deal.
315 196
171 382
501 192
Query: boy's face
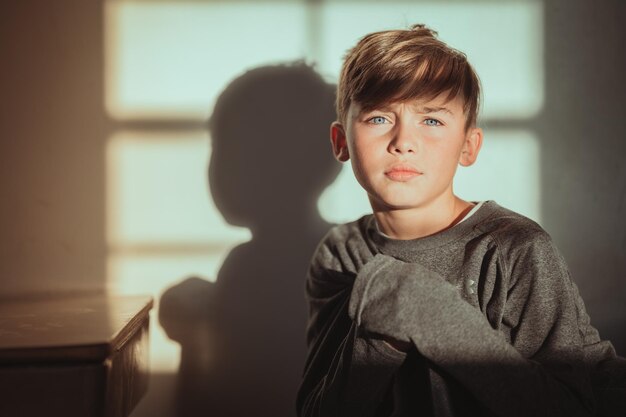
405 154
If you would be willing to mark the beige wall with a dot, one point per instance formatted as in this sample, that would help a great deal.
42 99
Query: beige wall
52 133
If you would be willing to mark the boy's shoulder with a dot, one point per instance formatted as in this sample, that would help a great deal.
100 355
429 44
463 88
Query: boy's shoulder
515 235
345 246
506 225
345 232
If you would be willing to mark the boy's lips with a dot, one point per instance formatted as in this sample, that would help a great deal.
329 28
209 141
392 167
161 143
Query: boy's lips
402 172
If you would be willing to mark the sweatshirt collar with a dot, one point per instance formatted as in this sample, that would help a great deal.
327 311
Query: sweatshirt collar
391 246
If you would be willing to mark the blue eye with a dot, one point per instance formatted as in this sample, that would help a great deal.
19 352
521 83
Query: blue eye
378 120
432 122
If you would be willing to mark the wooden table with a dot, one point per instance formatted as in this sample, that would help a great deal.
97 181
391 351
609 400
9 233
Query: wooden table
78 355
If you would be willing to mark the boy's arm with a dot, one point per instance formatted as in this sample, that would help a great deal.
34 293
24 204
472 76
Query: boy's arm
541 374
345 375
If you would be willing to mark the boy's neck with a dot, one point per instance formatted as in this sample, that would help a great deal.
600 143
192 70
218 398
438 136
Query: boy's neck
419 222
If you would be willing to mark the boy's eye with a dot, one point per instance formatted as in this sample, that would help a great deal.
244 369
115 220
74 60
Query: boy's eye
432 122
377 120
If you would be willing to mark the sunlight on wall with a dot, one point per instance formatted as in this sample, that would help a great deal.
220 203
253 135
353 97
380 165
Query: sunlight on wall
169 61
162 224
159 191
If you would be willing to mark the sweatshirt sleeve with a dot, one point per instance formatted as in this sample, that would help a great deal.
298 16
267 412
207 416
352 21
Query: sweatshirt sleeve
345 374
537 375
607 369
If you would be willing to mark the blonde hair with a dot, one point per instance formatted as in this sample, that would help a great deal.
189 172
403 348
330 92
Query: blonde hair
398 65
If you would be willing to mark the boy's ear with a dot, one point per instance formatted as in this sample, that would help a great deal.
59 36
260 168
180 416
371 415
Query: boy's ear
339 142
471 146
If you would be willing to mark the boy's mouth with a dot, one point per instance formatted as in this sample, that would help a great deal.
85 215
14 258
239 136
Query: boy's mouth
402 173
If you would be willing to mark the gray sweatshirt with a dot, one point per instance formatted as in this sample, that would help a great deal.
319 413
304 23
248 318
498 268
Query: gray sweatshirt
495 324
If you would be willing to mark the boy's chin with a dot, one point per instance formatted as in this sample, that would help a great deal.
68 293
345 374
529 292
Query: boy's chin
394 204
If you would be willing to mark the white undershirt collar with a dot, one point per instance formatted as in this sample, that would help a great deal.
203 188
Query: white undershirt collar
474 209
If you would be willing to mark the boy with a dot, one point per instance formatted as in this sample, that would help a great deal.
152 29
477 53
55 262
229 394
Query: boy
434 305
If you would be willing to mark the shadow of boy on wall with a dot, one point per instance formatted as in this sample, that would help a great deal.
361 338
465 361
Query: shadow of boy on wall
243 337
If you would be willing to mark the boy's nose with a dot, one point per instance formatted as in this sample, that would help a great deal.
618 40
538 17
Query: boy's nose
404 141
